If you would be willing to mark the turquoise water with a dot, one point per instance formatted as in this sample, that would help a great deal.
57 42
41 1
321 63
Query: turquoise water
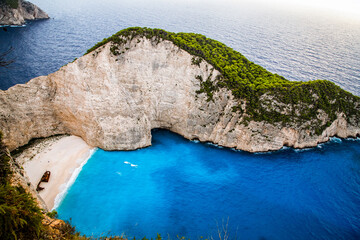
179 187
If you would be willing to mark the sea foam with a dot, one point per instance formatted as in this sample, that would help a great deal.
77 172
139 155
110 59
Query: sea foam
66 186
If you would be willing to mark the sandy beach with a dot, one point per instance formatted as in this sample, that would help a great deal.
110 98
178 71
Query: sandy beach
63 156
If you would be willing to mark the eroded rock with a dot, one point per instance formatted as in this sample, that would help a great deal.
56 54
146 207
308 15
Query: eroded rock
113 102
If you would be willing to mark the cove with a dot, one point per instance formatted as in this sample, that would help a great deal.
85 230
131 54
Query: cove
180 187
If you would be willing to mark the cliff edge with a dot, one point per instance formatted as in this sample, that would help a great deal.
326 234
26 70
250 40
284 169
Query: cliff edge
141 79
15 12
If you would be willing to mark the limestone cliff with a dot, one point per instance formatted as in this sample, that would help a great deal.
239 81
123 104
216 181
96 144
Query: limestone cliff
17 11
112 99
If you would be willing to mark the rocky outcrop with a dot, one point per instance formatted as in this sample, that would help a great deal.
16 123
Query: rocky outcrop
17 16
113 102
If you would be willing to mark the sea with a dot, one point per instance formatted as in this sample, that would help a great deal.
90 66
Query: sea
180 188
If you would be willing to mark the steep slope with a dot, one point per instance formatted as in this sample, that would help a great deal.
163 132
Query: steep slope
140 79
15 12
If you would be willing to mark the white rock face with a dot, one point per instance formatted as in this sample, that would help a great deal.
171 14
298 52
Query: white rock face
113 102
25 11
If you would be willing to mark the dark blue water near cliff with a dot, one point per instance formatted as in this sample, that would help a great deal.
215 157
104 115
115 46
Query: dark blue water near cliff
186 188
179 187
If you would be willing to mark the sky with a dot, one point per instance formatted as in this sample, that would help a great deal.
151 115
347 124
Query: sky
345 8
348 8
340 6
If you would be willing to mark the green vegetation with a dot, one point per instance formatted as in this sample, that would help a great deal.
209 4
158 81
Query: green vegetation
11 3
20 216
196 61
52 214
267 96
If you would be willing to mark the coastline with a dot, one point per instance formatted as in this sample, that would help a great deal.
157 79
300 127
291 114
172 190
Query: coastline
63 156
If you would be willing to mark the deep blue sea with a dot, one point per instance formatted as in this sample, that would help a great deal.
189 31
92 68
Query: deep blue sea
178 187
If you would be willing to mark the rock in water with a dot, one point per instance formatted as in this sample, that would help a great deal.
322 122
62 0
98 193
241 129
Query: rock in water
129 84
15 12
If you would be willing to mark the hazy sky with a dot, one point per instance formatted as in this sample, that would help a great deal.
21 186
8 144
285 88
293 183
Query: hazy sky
348 8
335 5
341 7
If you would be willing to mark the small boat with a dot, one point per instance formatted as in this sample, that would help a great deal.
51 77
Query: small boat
45 177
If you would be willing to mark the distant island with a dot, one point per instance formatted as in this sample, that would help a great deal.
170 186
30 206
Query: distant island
16 12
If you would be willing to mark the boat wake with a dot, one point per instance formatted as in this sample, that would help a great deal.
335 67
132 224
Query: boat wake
132 165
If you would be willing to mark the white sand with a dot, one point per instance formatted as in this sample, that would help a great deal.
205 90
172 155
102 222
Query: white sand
61 157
